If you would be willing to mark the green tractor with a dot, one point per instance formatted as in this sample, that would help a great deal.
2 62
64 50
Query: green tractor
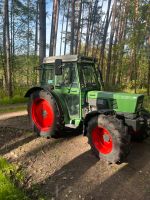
70 95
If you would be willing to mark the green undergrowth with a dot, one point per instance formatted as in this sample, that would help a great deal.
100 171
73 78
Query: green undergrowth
11 180
12 105
18 96
138 91
17 91
147 102
14 100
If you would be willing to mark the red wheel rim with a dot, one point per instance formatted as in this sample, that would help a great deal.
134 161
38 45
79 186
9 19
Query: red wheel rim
42 114
102 140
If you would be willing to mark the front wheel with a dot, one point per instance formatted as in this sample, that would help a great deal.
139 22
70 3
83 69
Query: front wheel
108 138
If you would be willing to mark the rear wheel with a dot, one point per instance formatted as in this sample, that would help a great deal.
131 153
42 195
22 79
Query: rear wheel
108 138
42 110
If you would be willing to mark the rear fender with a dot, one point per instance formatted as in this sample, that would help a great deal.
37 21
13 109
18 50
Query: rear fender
33 89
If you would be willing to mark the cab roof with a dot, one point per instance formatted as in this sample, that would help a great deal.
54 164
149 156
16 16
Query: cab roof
69 58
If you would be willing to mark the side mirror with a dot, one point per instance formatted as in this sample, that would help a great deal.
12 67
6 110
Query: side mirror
58 67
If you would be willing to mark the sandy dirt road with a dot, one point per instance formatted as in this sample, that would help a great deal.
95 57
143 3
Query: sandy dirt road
65 168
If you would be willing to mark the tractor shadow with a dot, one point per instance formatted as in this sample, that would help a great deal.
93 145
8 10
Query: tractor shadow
17 131
68 133
14 132
51 143
130 182
18 122
70 173
90 178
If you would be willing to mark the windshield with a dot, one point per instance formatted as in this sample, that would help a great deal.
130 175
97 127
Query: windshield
89 75
47 74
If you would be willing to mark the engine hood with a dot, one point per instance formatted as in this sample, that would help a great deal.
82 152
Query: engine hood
120 102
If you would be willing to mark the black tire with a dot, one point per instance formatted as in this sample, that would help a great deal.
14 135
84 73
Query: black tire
48 97
119 144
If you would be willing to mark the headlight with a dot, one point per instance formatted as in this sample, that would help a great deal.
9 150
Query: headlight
139 106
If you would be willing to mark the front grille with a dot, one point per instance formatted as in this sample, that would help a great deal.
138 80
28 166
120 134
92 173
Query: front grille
113 103
103 103
139 103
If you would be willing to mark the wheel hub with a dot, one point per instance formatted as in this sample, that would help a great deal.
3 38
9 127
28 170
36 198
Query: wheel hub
42 114
102 140
106 138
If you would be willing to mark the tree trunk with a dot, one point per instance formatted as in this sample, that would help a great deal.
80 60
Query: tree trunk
42 20
28 42
148 79
80 33
88 29
120 38
66 31
6 46
36 29
115 57
95 10
62 28
12 32
72 27
54 28
78 29
105 35
136 2
111 41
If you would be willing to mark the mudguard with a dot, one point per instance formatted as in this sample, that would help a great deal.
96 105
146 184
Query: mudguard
33 89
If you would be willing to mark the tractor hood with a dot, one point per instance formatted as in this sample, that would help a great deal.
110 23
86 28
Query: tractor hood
120 102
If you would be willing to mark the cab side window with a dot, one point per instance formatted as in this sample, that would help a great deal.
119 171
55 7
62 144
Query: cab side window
68 77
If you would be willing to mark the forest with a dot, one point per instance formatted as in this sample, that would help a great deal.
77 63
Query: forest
116 32
43 154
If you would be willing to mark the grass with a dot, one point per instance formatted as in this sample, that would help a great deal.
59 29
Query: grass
18 97
17 103
15 100
12 105
10 176
147 102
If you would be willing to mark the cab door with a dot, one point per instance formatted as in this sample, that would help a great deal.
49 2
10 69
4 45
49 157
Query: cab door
69 87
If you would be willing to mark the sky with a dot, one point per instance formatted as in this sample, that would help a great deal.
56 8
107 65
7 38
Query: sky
49 7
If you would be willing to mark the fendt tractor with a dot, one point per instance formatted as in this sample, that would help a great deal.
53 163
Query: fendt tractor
71 95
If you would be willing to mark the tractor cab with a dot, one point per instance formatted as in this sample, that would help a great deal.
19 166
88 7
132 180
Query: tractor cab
69 71
70 77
